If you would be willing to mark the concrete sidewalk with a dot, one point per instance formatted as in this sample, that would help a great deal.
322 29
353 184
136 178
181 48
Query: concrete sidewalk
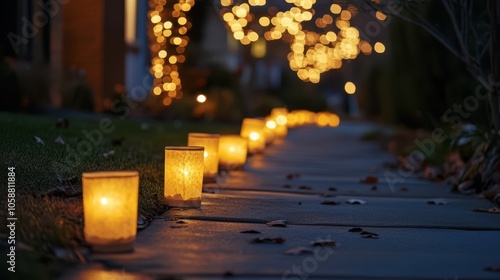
411 239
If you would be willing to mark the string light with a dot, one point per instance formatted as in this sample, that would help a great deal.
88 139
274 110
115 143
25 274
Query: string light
167 33
312 53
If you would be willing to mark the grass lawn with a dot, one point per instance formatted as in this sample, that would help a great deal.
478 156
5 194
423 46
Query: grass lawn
47 221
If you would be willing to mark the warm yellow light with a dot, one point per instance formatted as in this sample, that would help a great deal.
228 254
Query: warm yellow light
379 47
322 119
241 12
380 16
291 119
110 205
281 120
271 124
226 2
334 120
155 19
254 136
183 176
211 154
259 48
264 21
182 20
350 87
201 98
280 117
232 151
104 201
252 129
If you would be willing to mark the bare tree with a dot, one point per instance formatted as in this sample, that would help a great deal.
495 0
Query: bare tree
475 35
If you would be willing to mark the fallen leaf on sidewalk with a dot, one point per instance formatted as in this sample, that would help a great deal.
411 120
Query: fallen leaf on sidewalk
332 189
63 191
369 180
494 210
364 232
356 201
305 188
277 223
328 243
297 251
374 188
108 154
330 202
404 189
493 268
250 231
287 186
292 175
370 236
178 226
59 140
327 195
38 140
142 222
355 229
437 201
267 240
68 181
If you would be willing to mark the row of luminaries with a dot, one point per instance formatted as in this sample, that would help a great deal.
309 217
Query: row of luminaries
110 199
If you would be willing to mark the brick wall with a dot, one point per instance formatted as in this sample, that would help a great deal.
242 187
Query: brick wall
93 40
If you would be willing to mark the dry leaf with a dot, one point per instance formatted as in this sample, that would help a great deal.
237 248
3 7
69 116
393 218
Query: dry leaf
374 188
356 201
324 243
267 240
287 186
68 182
437 201
38 140
330 202
59 140
332 189
493 268
305 188
297 251
488 210
292 175
109 153
277 223
355 229
364 232
142 222
370 236
404 189
327 195
63 191
370 180
250 231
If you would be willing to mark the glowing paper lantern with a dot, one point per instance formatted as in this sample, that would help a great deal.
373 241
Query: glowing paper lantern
211 154
253 130
232 151
269 128
280 116
183 176
110 202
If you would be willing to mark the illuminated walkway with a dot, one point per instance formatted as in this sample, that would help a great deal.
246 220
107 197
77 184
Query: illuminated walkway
410 237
